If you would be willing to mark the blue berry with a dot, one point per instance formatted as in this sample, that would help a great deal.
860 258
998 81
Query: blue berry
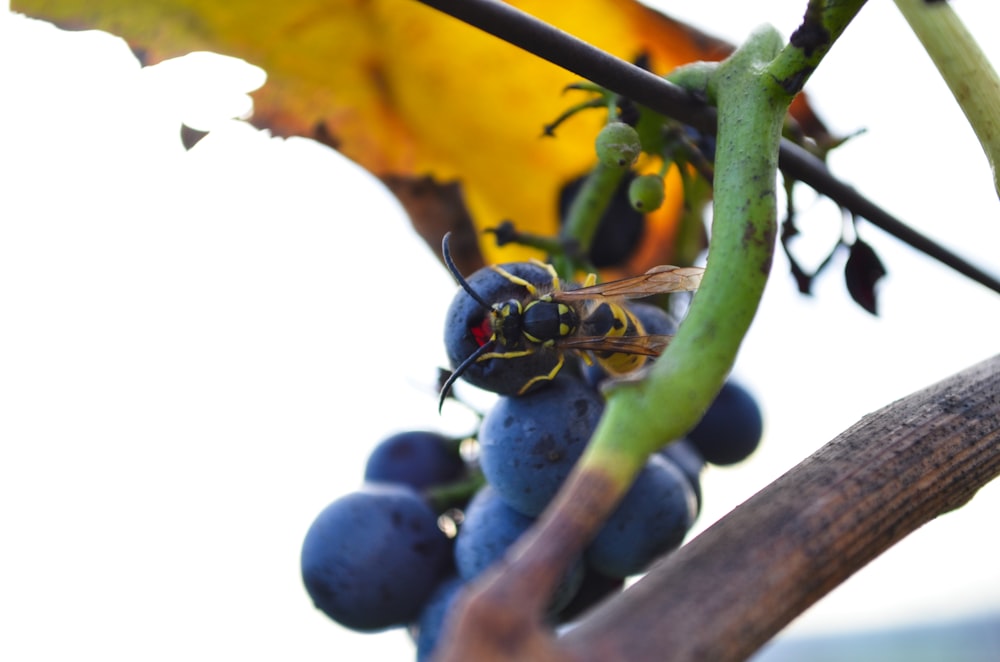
372 557
731 428
594 588
529 444
433 616
654 319
416 458
620 229
687 458
490 527
651 520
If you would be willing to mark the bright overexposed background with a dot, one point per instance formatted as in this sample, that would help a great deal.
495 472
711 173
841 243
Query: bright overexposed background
198 349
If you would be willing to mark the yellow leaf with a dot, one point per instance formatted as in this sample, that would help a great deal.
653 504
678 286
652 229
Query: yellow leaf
448 117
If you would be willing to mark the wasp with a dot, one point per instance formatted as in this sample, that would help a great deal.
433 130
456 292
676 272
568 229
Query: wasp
588 321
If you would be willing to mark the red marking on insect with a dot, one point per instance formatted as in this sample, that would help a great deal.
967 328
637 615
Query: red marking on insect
483 332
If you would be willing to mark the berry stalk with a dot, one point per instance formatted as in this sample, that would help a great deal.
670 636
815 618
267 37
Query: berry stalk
585 214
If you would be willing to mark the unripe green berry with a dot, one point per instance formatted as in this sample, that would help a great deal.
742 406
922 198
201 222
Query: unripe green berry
646 193
618 145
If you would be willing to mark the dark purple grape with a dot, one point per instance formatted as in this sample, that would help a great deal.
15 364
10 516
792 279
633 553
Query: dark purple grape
434 615
372 557
529 444
620 229
687 458
416 458
467 328
731 428
594 588
652 519
654 319
705 142
490 527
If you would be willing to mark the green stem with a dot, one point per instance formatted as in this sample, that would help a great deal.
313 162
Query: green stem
585 213
454 495
824 21
752 91
644 415
963 65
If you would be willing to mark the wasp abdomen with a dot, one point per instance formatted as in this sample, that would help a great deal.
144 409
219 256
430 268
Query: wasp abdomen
612 320
608 319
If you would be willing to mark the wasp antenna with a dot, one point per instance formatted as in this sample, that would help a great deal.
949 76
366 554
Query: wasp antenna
450 263
462 367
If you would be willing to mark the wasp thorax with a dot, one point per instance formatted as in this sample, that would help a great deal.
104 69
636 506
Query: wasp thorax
545 321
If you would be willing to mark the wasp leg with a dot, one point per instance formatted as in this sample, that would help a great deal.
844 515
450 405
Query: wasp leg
505 355
551 271
517 280
532 290
524 352
549 377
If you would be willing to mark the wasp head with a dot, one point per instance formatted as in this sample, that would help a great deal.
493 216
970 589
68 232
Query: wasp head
506 322
484 330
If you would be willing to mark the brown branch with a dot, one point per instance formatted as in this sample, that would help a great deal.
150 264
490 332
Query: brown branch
731 589
724 594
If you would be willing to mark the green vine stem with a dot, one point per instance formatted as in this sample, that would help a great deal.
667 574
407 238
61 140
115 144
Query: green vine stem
970 76
752 90
824 21
584 215
643 415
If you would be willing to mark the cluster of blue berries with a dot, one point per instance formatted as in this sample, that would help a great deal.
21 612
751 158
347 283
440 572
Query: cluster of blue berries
395 554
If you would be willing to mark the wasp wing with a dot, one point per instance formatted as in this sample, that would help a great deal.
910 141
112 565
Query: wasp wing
658 280
651 345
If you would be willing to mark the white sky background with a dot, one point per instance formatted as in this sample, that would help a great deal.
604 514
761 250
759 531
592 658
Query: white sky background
198 349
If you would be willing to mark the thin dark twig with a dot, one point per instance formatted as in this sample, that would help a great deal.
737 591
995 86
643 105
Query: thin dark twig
800 164
577 56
